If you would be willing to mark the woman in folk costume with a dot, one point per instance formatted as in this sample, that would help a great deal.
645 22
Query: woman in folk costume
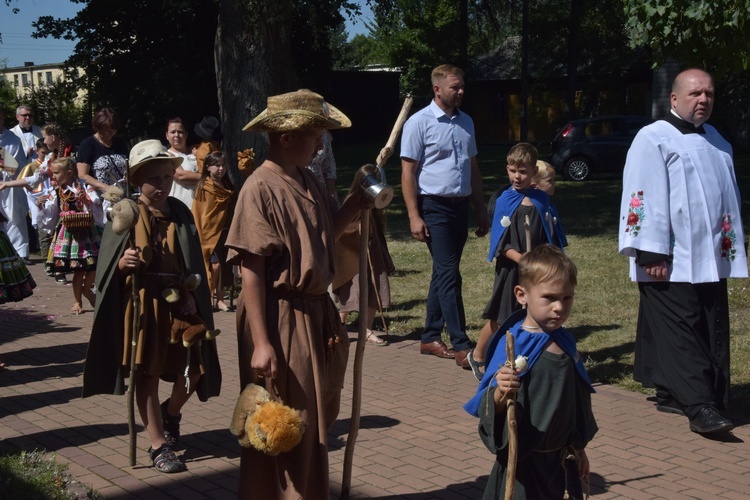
76 240
290 337
212 208
16 282
166 250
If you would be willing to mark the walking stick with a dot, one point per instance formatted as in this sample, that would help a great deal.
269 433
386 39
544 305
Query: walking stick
510 472
527 229
364 239
134 337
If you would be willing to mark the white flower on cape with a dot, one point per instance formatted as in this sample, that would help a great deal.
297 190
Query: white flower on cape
522 362
505 221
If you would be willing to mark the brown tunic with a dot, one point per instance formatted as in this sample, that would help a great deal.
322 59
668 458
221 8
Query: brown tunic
291 226
161 267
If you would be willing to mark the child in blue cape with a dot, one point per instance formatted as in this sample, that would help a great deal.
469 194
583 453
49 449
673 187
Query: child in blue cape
553 392
508 240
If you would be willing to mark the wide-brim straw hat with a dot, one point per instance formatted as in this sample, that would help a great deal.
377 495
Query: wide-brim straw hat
300 110
146 152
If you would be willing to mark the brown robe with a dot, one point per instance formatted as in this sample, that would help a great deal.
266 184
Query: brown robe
211 208
291 226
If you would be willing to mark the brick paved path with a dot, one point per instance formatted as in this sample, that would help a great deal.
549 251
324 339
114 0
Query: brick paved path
415 441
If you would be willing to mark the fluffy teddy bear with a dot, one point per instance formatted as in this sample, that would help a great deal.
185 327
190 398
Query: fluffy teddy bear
188 327
266 425
123 212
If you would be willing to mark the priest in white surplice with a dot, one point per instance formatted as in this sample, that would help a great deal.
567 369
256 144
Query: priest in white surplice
681 226
13 201
27 132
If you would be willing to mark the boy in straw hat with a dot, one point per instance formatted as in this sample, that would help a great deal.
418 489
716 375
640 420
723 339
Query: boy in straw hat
290 337
167 250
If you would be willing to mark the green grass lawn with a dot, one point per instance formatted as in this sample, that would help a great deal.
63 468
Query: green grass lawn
604 315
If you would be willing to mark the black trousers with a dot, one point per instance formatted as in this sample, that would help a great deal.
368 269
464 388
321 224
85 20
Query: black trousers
682 342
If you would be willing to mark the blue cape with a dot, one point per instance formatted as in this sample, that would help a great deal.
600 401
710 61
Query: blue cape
506 205
527 344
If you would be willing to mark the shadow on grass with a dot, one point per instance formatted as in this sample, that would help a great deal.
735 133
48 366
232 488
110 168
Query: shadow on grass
580 332
608 366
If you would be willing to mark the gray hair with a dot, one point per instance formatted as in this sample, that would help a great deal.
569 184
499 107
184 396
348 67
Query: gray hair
20 108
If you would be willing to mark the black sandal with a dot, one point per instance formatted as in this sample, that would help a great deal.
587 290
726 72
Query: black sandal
171 425
165 460
475 366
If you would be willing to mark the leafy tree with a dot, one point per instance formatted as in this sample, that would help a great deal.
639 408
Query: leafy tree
56 102
148 60
266 47
415 36
357 53
8 100
710 34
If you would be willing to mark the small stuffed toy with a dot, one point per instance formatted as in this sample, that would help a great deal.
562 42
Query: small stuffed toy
266 425
188 327
123 212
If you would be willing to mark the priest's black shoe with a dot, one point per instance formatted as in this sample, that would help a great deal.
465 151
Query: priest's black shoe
670 406
709 421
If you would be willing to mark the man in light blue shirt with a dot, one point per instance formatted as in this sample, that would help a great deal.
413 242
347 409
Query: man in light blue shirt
439 176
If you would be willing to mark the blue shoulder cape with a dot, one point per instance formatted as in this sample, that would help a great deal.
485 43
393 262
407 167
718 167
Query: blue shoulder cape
506 206
527 344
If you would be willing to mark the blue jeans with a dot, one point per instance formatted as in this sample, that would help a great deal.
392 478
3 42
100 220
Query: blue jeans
447 220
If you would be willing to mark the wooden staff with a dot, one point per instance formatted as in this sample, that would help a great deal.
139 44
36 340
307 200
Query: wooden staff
364 240
510 471
136 297
527 229
551 227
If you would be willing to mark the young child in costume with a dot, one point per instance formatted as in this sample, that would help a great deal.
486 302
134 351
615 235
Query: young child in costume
165 249
380 264
37 180
545 181
209 132
214 198
291 340
553 405
73 248
508 240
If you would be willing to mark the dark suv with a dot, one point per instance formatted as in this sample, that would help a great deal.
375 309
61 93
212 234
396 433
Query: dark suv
590 146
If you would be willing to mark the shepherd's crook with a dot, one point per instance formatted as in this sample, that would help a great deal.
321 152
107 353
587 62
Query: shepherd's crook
510 471
364 287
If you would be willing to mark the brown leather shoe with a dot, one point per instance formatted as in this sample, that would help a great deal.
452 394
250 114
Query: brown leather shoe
436 348
462 359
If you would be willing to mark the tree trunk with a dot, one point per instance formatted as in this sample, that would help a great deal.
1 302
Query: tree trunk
253 60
